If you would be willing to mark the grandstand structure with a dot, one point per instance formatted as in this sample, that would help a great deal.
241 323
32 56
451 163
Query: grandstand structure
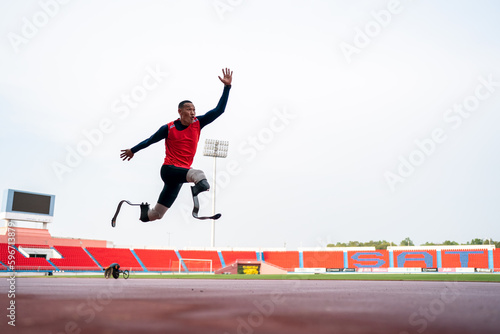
37 250
34 249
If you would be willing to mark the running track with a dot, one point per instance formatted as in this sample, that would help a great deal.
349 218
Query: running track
93 305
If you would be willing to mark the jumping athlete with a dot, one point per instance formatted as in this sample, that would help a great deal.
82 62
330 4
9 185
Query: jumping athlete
181 140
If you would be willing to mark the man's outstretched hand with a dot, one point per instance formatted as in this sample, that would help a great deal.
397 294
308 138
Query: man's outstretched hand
228 76
126 154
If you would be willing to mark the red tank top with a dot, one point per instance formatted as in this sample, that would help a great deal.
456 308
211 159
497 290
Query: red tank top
180 146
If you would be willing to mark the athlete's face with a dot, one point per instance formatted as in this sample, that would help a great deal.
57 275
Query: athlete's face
187 113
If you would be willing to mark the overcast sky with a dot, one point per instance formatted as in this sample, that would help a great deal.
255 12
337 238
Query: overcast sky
347 120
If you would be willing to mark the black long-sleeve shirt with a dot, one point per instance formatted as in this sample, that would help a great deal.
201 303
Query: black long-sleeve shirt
204 120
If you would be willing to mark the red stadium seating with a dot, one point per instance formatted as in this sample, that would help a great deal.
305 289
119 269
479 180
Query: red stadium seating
450 259
21 262
231 256
288 260
368 259
4 254
496 259
318 259
158 260
74 258
122 256
416 259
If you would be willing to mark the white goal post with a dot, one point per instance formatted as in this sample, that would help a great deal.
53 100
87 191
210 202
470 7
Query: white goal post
208 264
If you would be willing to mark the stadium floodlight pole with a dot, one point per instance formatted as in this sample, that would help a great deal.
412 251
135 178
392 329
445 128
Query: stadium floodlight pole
217 149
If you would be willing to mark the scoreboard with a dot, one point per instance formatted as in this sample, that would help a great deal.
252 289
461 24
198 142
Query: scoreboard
27 206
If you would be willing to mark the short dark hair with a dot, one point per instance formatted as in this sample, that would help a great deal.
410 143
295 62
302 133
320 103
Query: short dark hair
183 103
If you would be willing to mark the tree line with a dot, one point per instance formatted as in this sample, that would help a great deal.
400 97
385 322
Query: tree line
383 244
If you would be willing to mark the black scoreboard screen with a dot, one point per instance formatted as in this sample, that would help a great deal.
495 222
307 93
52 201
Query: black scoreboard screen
31 203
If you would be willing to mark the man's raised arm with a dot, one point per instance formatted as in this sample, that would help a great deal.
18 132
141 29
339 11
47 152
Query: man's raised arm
210 116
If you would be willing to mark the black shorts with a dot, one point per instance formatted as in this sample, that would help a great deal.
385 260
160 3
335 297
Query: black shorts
173 177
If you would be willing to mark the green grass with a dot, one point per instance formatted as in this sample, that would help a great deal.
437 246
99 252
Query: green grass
348 277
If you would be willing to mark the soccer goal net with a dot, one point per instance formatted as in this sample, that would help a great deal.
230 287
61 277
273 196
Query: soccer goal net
195 265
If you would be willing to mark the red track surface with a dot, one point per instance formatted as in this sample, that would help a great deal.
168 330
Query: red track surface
81 305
